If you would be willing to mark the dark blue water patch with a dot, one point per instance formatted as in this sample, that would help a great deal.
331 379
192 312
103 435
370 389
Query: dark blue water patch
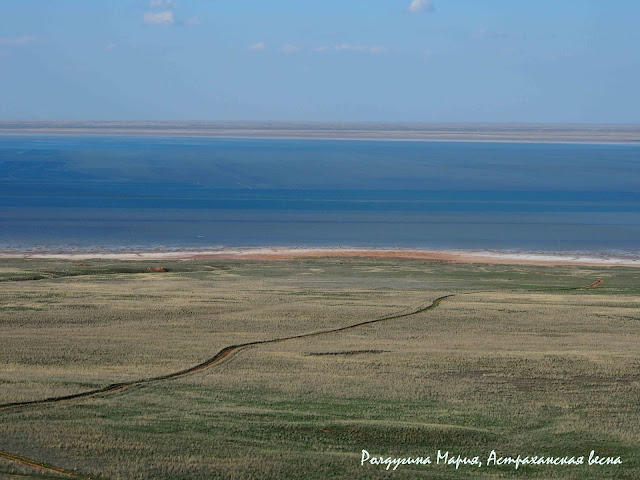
319 205
134 190
124 191
311 164
164 195
116 228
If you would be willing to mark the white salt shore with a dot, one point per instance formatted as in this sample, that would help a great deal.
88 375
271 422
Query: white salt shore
275 253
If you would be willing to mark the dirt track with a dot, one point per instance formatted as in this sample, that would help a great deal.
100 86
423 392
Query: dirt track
216 359
45 468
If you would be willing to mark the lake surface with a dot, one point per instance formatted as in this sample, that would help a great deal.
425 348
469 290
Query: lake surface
62 192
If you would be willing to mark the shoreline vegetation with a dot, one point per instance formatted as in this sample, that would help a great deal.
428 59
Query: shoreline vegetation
454 132
288 253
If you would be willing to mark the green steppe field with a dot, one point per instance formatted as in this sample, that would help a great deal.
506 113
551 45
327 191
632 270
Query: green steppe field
523 360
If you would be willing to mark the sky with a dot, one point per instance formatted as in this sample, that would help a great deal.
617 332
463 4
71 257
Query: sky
549 61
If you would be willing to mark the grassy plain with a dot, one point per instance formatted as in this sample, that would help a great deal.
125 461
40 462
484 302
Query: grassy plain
520 359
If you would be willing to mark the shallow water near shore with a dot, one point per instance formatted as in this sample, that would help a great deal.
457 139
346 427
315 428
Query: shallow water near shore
65 192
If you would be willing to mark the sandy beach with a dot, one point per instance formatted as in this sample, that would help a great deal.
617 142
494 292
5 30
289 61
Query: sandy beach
287 253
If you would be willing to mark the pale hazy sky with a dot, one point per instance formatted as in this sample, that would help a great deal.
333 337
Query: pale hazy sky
378 60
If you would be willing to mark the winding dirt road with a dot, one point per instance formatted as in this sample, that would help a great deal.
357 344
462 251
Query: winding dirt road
219 357
215 360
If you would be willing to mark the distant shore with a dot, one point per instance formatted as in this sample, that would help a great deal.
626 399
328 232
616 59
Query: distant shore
288 253
400 131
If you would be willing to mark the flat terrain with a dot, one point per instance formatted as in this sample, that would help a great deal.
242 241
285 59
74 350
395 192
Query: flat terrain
580 133
526 359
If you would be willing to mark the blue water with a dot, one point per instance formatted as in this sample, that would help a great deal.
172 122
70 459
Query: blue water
144 192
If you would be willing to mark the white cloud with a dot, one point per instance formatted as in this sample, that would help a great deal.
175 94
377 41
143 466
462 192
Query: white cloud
17 41
162 13
162 4
420 6
194 21
346 46
110 47
378 49
257 46
159 18
353 48
288 49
